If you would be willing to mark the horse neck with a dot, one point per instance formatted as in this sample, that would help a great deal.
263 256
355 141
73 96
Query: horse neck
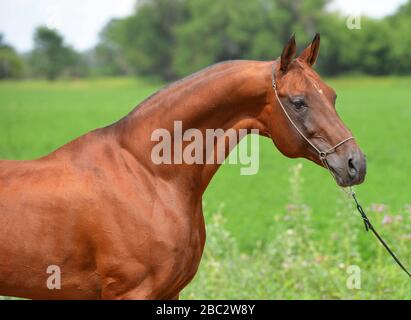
226 96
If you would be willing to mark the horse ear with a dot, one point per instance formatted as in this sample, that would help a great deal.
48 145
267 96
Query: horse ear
310 54
288 53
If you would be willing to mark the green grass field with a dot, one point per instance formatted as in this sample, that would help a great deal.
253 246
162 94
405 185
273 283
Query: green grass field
38 117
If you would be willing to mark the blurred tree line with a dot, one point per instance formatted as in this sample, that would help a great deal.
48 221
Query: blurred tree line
173 38
50 58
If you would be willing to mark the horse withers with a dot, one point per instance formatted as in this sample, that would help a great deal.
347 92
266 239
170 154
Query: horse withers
119 226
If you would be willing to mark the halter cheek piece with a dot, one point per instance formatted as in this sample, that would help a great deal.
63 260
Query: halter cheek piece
323 157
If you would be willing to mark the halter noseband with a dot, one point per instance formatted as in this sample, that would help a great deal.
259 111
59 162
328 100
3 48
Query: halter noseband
321 154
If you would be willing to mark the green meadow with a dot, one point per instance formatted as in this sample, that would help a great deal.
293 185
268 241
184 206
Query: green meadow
286 232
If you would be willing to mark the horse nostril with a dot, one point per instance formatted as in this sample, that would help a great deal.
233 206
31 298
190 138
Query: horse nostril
352 169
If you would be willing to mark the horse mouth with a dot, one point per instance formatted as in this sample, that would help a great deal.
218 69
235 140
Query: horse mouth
344 182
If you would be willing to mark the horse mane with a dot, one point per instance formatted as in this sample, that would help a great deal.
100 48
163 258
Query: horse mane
203 74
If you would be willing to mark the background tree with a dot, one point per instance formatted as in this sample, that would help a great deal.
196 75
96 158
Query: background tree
11 64
398 37
146 39
51 57
108 55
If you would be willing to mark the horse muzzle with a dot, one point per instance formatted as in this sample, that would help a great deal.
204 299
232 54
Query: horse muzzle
349 169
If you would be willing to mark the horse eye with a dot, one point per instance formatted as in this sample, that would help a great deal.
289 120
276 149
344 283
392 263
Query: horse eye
298 103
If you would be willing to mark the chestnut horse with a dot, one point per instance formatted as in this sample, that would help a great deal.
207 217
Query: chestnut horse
119 226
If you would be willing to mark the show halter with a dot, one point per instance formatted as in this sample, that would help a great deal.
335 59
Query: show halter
323 157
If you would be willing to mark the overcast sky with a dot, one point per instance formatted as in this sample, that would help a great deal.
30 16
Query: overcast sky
81 20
